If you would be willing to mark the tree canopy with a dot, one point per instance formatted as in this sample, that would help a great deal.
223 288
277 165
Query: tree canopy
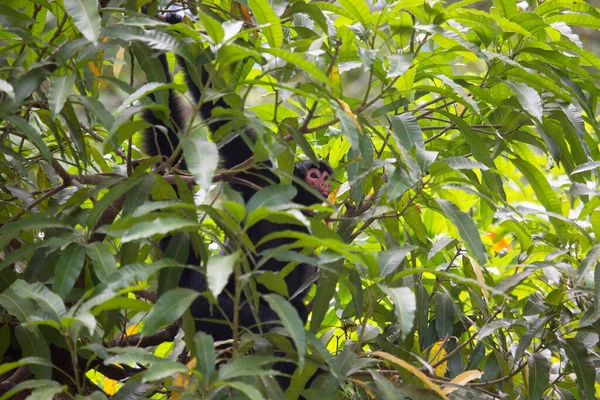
458 251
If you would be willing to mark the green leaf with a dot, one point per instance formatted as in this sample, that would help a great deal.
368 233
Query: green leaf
466 228
40 294
86 18
265 15
528 97
459 163
68 268
506 8
391 259
161 225
528 337
10 17
60 88
539 375
250 391
359 10
407 131
271 196
38 385
122 303
142 92
326 287
298 61
154 38
212 27
444 314
473 139
201 158
386 389
577 19
29 82
35 221
398 65
113 194
348 124
582 364
43 393
520 231
139 194
16 306
405 305
588 166
218 271
242 366
32 134
169 307
543 191
589 261
33 344
206 356
291 322
162 369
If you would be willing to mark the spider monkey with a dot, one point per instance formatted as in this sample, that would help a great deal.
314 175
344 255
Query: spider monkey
164 140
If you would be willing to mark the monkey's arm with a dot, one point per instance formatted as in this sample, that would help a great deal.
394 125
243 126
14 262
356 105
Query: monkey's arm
162 138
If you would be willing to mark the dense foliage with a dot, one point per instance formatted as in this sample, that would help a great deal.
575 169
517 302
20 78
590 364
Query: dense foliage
458 252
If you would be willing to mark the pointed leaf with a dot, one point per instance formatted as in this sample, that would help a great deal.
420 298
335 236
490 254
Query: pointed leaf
60 88
390 260
163 225
407 131
271 196
582 364
539 375
292 323
466 228
33 344
169 307
68 268
265 15
86 18
40 294
201 158
444 315
405 306
218 271
528 97
32 134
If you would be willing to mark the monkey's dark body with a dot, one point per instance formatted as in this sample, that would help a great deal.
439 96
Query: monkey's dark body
208 318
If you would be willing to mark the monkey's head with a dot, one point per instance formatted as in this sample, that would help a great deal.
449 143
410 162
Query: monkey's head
317 176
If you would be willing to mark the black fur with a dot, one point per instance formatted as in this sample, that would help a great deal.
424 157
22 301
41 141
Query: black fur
161 139
234 151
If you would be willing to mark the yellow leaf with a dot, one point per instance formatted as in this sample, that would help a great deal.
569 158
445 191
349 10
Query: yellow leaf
335 77
183 380
133 329
480 278
413 370
438 353
118 66
461 379
348 111
333 195
110 386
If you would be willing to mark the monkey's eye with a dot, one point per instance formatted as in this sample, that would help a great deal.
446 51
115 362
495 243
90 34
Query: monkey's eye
313 175
325 176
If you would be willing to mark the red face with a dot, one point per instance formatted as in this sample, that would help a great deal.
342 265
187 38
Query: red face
319 180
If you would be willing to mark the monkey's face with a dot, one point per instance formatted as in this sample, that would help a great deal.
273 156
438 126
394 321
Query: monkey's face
319 180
